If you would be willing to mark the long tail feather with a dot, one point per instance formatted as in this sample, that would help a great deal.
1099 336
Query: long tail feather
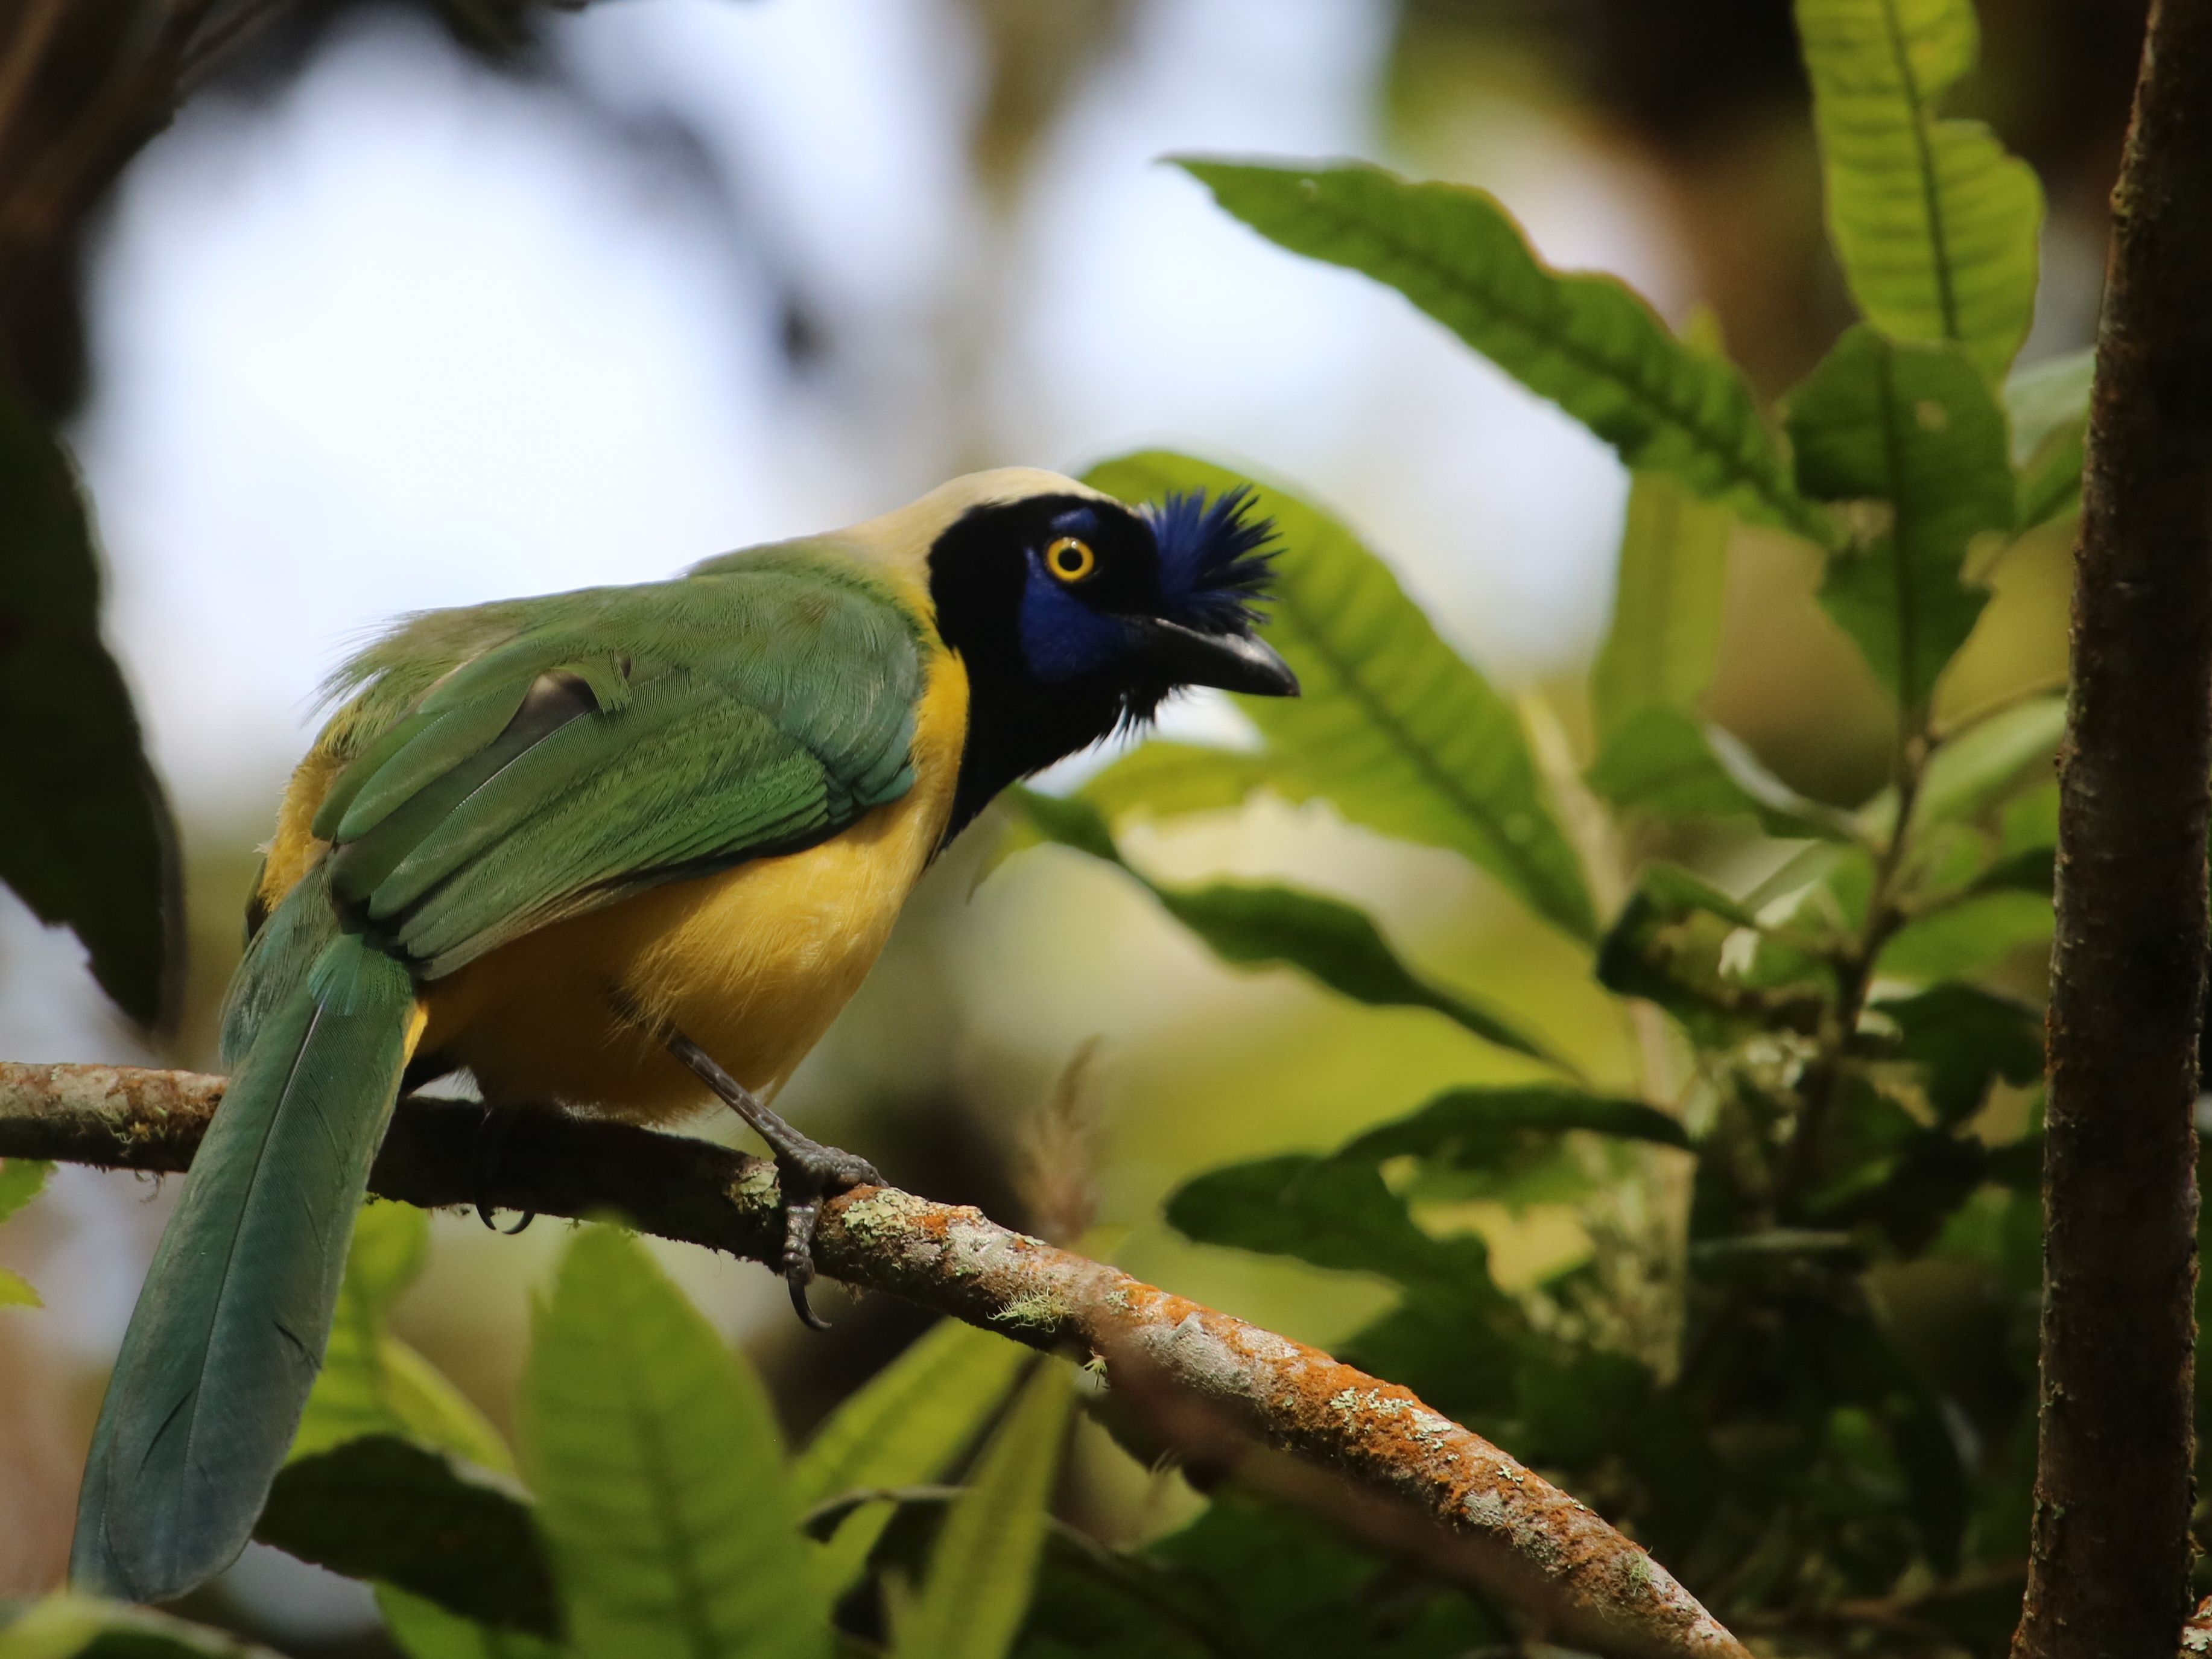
230 1328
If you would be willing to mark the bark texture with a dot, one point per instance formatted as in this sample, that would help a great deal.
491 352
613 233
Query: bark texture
2109 1570
1241 1400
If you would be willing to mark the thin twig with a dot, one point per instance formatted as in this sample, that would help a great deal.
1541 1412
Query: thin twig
1854 973
34 32
1391 1468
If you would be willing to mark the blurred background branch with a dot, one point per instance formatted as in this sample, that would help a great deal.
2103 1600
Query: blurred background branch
83 85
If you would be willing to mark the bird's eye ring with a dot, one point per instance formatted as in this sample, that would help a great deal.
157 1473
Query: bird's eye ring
1070 560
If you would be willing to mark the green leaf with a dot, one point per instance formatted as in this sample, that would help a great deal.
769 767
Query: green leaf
659 1473
2030 819
1661 761
983 1567
99 853
1657 760
1472 1127
1935 224
1969 937
2046 400
914 1418
1164 779
65 1625
1665 635
1585 341
372 1383
1964 1038
1249 1576
21 1180
424 1630
1970 773
2048 406
1394 727
1454 1338
2031 870
1299 1585
383 1508
1072 822
1677 892
1257 926
1507 1139
1330 1213
1913 427
1505 1144
1671 946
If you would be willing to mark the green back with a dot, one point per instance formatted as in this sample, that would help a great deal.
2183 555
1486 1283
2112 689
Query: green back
521 763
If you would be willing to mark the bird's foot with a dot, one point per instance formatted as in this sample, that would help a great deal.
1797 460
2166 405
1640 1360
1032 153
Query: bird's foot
807 1172
491 1141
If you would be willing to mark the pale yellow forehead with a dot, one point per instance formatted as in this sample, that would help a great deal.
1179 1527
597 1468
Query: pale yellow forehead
899 541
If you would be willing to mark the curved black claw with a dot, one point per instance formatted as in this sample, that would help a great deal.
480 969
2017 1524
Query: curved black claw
807 1316
492 1130
808 1172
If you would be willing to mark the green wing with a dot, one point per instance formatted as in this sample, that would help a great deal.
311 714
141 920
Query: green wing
534 760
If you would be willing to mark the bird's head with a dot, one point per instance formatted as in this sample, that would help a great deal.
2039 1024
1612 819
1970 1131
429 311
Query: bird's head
1076 614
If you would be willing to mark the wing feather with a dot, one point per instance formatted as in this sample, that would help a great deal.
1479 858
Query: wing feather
614 739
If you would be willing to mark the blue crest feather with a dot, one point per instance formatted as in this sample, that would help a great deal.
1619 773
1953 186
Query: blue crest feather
1214 557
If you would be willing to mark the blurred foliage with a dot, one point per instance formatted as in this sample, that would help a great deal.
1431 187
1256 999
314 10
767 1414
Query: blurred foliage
21 1180
1037 52
85 836
64 1624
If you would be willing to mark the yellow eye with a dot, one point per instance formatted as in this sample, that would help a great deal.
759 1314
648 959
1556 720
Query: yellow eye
1070 560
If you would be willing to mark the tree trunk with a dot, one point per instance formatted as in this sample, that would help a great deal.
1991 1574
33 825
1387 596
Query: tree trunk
2109 1573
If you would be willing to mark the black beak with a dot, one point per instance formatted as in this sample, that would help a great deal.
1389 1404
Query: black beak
1234 662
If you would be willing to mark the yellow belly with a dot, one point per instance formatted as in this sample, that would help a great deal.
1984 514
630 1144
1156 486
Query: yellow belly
752 964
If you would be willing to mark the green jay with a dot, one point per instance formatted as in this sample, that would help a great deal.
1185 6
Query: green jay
629 849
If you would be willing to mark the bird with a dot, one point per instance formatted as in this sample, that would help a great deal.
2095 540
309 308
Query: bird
628 849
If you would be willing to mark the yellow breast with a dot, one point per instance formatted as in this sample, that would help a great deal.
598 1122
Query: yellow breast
752 964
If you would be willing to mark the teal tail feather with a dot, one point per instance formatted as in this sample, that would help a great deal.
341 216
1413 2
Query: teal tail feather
230 1328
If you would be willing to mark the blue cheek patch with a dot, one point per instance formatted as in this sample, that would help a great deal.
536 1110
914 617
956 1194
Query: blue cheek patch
1063 638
